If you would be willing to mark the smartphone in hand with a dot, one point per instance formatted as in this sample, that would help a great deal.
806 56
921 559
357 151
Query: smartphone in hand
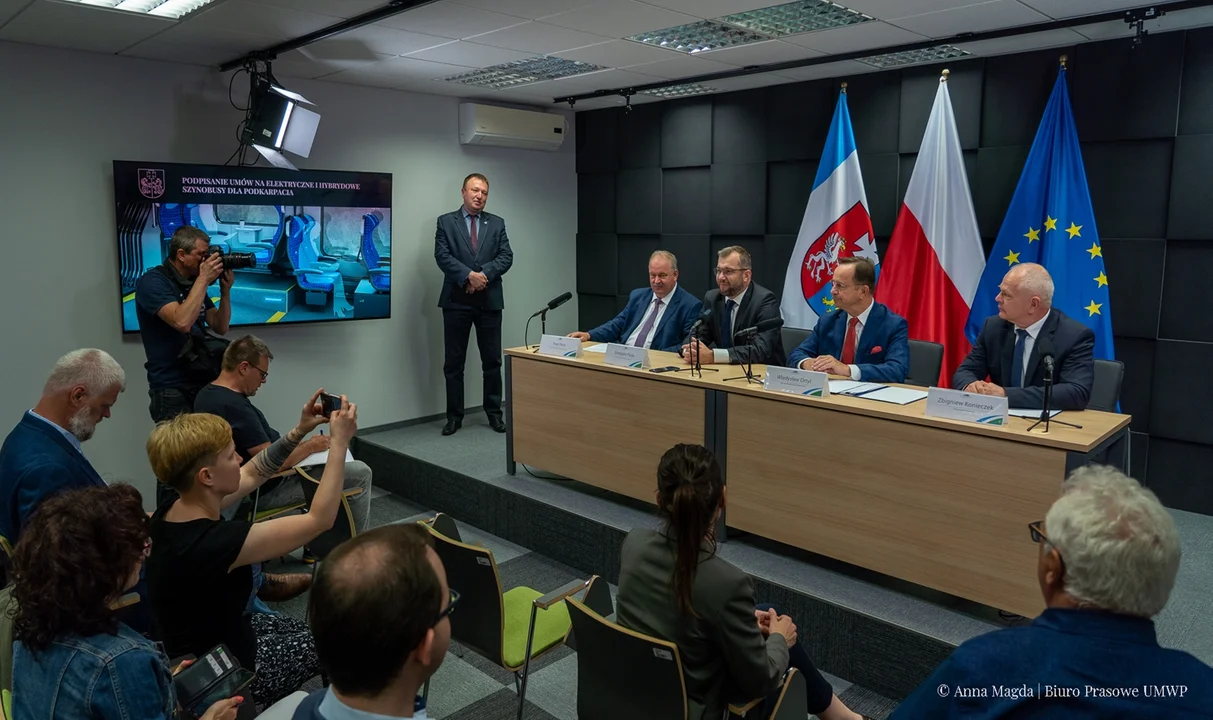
329 403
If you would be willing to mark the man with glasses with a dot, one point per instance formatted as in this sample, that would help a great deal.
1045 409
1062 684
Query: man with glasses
1108 556
862 339
737 303
379 613
658 317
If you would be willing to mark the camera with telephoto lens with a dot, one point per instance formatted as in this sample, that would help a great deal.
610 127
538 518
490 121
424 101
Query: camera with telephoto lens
233 260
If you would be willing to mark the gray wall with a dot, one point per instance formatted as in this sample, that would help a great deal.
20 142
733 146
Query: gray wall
67 115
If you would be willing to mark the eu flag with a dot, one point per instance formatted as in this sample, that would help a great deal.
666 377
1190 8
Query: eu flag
1050 222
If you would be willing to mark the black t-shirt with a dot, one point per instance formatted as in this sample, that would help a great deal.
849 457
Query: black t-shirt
196 603
249 426
162 343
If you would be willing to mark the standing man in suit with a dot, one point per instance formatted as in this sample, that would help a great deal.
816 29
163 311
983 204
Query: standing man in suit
737 304
473 252
658 317
866 340
1010 346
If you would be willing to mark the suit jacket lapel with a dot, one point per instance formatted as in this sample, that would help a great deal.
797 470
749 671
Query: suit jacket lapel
1008 355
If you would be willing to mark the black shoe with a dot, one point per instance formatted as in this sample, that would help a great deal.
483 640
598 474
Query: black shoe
451 427
497 424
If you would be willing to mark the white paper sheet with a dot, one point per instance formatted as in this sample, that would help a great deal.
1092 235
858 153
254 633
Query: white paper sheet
321 458
896 395
599 348
843 386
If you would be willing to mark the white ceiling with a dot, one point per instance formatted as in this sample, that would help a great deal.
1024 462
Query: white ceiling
416 49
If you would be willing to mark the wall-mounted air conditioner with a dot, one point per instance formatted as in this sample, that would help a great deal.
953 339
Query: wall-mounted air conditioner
506 127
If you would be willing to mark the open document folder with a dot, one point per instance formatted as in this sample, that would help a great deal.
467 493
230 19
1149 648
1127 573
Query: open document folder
876 391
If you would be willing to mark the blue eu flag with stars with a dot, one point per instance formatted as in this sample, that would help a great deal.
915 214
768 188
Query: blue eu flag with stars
1050 222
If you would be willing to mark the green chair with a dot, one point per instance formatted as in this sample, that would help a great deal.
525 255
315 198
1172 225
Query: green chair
7 699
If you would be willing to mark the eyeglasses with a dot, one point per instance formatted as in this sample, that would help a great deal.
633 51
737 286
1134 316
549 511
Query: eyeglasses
265 374
839 286
727 272
450 606
1038 534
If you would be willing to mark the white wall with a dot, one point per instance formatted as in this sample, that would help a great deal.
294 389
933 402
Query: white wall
64 116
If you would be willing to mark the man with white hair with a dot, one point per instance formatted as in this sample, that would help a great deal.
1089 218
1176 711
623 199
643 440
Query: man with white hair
1006 358
42 455
1108 556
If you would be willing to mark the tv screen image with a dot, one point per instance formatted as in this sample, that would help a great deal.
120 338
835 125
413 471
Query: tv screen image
304 246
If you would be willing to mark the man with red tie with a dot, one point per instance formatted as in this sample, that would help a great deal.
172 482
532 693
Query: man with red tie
862 339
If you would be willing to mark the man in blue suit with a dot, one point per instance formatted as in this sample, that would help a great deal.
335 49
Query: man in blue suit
1010 346
473 252
862 339
658 317
42 455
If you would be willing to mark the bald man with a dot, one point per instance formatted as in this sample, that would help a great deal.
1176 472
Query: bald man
1005 360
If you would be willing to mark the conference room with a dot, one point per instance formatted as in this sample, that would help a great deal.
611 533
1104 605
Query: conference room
743 358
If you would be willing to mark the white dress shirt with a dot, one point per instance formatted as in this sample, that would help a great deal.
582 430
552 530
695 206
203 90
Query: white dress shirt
665 303
721 355
1030 342
863 320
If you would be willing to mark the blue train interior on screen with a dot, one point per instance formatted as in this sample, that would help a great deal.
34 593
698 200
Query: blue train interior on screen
312 263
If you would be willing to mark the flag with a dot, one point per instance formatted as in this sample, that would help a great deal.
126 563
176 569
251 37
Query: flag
836 224
935 256
1050 221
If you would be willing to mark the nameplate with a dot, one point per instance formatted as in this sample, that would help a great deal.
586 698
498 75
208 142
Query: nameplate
969 407
627 356
796 382
560 346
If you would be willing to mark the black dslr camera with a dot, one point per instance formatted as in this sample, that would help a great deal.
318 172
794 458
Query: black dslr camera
233 260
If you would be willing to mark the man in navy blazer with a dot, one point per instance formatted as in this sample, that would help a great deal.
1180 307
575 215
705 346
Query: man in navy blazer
42 455
737 303
658 317
862 339
1010 346
473 252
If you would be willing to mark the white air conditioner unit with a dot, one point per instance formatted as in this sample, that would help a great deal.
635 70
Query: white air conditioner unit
506 127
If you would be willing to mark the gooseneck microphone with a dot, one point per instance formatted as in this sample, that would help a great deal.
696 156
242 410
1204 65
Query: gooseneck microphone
699 322
554 303
761 327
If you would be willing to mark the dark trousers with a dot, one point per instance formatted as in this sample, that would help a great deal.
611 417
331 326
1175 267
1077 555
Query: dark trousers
457 322
820 692
167 404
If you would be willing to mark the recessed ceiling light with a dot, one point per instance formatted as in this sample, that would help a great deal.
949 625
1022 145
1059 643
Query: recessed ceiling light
679 91
699 37
174 9
523 72
796 17
914 57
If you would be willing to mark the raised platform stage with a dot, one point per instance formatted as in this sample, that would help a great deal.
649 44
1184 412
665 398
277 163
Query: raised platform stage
867 628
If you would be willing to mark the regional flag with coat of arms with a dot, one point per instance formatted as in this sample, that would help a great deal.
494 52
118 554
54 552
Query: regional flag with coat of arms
836 224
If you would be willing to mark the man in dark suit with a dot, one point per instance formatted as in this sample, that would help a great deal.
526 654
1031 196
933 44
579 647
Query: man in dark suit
862 339
42 455
737 304
1010 346
473 252
658 317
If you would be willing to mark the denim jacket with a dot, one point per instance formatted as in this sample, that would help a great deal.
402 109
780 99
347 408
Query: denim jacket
102 677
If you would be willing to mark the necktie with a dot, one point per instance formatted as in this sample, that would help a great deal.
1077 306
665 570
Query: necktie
727 323
1017 361
848 343
473 231
648 323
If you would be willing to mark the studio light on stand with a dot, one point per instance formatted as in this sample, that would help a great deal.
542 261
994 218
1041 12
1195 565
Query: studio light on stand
278 122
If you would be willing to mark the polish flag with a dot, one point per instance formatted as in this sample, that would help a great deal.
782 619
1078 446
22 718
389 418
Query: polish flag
935 258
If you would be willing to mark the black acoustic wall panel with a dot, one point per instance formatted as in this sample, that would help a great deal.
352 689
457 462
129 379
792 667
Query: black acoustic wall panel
998 171
739 128
1015 93
597 141
1123 92
798 118
880 183
598 273
1196 110
640 136
1178 474
592 311
1138 358
918 89
1190 215
686 133
638 201
777 252
1177 411
686 195
1187 313
596 202
788 187
1129 183
634 252
1134 270
694 260
739 199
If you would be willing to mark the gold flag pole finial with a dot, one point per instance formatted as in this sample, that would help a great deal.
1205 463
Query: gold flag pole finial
944 76
1063 60
844 87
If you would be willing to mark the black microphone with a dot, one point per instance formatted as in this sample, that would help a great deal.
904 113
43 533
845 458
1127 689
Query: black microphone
554 303
762 326
1044 348
703 318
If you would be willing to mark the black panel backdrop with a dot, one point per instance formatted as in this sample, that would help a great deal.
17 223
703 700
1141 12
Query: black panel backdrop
694 175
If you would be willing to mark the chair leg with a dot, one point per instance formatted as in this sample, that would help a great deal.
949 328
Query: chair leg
526 664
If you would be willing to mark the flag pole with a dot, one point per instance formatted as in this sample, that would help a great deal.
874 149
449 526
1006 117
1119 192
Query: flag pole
944 75
844 87
1063 60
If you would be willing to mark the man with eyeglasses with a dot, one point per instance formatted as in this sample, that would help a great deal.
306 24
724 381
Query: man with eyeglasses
1108 556
658 317
737 303
862 339
379 613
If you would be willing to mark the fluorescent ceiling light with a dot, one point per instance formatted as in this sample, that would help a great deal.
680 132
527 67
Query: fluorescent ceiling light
914 57
684 90
796 17
174 9
699 37
523 72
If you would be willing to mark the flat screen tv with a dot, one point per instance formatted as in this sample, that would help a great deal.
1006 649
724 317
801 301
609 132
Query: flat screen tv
305 246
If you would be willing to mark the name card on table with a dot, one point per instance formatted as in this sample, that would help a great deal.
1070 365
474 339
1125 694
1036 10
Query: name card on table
627 356
560 346
796 382
969 407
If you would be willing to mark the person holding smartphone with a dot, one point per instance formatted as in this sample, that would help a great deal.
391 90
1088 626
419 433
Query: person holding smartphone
72 657
199 575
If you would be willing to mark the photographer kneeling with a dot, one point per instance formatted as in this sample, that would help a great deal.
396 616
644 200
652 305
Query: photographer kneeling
198 574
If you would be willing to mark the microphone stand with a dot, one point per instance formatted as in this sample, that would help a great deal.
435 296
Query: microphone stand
748 367
1045 415
697 364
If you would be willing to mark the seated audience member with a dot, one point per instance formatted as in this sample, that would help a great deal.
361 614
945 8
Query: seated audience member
737 304
1008 350
72 657
658 317
199 576
862 339
1109 553
379 614
42 455
673 586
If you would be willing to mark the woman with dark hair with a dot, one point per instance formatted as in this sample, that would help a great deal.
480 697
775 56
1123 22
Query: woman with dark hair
673 586
72 658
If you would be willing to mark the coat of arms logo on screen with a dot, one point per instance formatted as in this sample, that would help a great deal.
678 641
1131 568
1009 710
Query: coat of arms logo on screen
151 183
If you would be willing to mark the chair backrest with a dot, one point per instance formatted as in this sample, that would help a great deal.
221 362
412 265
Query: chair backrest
172 216
343 527
479 623
926 359
622 673
1105 388
295 227
308 254
370 255
793 702
792 337
444 524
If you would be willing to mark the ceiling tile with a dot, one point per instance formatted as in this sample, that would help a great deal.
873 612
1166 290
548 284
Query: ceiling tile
215 48
971 18
528 9
840 69
864 36
304 63
680 67
708 9
384 40
10 8
1074 8
448 19
763 53
336 8
619 19
462 52
81 27
360 76
1060 37
437 87
412 69
245 16
618 53
893 9
601 80
746 82
538 38
1195 17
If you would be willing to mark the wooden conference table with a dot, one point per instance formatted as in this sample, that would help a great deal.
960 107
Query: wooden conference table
941 503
